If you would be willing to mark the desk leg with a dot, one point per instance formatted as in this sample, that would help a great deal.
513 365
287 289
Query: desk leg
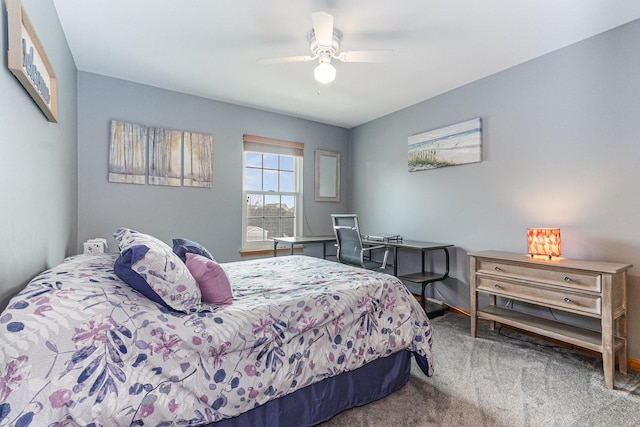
424 284
395 261
275 248
291 252
446 252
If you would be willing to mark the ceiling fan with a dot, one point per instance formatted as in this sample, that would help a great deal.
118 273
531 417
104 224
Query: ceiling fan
324 42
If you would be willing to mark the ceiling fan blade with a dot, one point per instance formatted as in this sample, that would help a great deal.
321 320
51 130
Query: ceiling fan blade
365 56
282 59
323 28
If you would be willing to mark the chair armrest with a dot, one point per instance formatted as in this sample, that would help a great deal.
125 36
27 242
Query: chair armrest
368 248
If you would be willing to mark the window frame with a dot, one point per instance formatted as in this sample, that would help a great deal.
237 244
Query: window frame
263 145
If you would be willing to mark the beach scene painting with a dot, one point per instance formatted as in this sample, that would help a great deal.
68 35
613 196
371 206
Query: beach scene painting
447 146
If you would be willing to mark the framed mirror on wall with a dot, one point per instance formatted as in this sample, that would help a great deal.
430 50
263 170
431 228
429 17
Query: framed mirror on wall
327 176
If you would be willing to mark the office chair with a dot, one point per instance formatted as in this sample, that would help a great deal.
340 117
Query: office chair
350 248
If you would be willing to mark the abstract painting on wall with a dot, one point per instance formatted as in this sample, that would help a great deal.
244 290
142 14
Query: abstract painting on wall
198 160
447 146
170 162
127 153
165 152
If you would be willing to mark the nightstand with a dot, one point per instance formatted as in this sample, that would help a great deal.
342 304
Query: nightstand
586 288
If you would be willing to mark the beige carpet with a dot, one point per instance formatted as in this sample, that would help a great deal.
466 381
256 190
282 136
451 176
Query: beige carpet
502 378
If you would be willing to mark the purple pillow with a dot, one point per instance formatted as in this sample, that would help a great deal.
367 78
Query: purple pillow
211 278
183 246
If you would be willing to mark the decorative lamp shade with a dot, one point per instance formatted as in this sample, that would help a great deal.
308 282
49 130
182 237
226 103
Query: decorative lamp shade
544 241
324 73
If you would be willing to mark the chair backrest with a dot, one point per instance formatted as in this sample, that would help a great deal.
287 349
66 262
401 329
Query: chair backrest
347 231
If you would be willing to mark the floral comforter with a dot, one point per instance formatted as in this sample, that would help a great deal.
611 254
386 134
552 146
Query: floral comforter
80 347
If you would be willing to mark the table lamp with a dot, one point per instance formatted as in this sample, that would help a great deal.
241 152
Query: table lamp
544 241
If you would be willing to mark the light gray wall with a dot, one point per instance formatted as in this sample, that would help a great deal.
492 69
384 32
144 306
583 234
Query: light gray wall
211 216
38 162
561 148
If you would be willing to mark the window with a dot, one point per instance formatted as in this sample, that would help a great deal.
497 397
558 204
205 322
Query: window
272 190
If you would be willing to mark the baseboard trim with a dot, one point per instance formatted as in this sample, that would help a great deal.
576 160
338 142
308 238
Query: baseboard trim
633 364
460 311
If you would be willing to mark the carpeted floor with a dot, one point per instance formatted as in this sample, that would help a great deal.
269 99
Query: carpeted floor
502 378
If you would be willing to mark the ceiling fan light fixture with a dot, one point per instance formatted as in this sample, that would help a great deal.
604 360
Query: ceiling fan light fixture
324 43
324 73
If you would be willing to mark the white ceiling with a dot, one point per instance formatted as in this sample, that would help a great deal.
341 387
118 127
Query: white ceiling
210 48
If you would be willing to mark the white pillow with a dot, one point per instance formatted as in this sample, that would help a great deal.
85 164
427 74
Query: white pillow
161 269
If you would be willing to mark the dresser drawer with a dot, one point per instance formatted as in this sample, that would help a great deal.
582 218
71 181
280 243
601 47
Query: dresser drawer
589 305
566 278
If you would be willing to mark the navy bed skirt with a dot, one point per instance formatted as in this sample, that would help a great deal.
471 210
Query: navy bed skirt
319 402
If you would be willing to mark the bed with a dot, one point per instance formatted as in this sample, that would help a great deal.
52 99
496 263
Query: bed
301 339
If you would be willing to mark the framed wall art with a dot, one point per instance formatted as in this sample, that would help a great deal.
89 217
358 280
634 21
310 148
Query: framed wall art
145 154
28 61
198 160
165 151
128 153
447 146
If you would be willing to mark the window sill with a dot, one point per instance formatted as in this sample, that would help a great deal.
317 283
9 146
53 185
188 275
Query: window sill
267 252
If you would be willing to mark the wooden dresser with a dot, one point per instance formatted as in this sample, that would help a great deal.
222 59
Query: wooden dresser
588 288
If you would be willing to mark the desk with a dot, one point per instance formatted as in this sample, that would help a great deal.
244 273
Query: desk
423 277
299 240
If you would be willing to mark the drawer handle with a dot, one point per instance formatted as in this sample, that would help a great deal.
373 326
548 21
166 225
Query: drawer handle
497 268
496 286
567 278
567 299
